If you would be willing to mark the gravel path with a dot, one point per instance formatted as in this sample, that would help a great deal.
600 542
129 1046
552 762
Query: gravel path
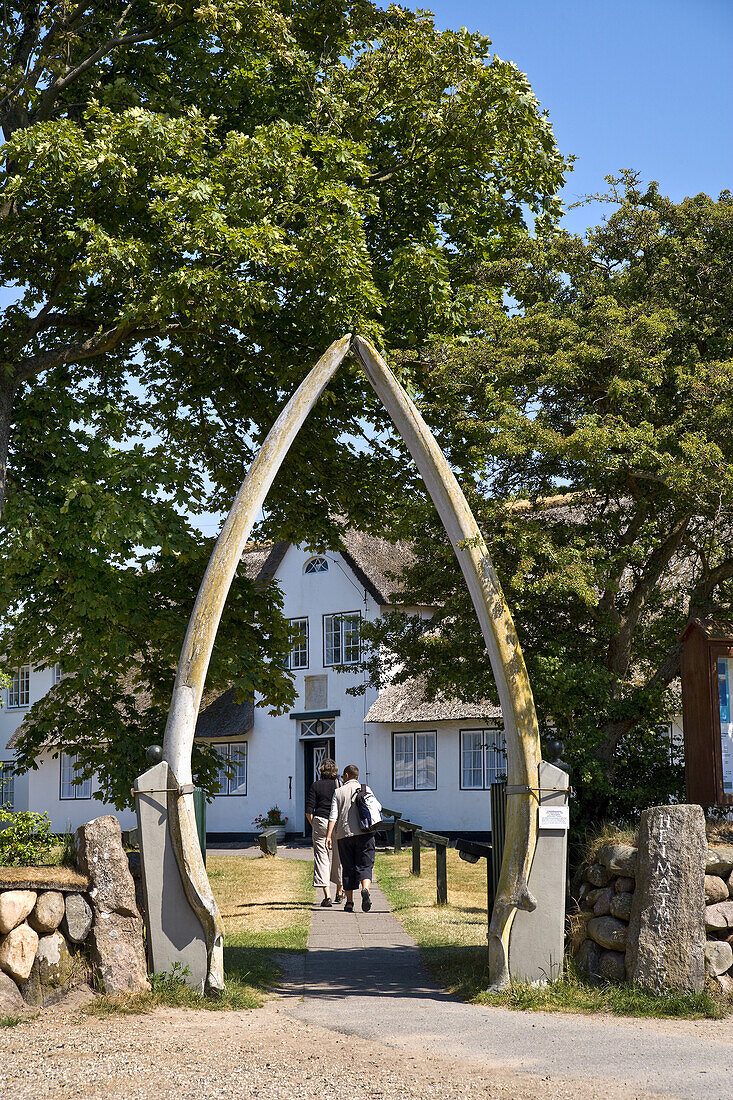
264 1054
358 1017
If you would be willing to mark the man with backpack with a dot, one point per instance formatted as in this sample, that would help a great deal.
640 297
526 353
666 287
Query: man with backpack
349 824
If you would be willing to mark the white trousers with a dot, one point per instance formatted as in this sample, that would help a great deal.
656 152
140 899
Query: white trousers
326 865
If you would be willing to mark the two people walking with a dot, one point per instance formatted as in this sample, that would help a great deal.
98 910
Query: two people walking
342 852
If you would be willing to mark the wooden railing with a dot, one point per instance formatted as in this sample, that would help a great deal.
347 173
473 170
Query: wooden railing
469 850
421 838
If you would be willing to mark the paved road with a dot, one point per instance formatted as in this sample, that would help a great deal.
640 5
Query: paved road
363 976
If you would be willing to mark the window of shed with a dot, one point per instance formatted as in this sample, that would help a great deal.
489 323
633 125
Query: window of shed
7 784
316 565
72 784
414 761
483 758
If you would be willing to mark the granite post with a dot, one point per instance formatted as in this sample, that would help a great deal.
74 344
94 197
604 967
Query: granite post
666 935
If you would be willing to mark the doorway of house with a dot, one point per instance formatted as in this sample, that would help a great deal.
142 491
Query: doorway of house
316 751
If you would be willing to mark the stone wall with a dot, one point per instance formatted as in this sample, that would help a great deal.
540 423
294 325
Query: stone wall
719 916
658 913
61 927
601 927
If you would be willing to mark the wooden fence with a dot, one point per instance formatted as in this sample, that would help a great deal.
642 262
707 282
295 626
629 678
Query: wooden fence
469 850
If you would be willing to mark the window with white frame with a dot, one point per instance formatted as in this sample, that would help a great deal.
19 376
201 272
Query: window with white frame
414 761
233 774
19 691
299 641
316 565
341 638
483 758
7 784
55 674
318 727
72 785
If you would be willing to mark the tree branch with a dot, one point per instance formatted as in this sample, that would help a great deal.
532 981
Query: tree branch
87 349
669 667
59 85
605 604
29 35
700 596
619 649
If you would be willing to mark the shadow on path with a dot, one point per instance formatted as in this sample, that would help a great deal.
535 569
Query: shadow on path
363 975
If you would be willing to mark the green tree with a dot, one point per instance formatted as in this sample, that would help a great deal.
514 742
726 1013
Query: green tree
591 416
195 200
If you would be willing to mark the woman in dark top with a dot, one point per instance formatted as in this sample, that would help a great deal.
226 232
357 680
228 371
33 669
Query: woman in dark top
326 864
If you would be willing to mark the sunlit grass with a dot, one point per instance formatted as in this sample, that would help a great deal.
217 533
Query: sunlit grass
453 943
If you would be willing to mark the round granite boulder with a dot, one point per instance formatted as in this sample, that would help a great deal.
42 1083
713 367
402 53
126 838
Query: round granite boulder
718 956
48 912
17 952
77 921
613 966
15 905
10 999
716 889
608 932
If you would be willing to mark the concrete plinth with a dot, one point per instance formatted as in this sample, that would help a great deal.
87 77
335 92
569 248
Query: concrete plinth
174 932
537 939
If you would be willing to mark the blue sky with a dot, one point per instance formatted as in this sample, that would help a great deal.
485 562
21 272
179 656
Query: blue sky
642 84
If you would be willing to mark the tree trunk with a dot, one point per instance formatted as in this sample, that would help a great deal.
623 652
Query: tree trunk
7 396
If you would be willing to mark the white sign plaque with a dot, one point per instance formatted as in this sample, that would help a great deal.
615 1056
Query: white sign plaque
725 676
554 817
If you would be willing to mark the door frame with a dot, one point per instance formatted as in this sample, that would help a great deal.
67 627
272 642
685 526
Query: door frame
309 767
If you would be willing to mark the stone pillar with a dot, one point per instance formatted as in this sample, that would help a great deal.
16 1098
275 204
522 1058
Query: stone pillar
116 938
666 937
537 939
174 932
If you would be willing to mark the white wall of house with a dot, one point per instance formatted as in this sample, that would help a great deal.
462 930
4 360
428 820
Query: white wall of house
44 793
40 790
276 747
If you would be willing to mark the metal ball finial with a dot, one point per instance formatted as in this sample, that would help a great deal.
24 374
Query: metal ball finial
154 754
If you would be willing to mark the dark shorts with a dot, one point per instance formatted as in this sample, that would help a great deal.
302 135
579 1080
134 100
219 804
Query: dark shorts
357 858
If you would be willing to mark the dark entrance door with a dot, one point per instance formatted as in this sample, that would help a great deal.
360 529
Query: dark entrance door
316 751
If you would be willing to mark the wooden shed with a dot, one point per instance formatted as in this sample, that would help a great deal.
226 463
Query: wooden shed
707 711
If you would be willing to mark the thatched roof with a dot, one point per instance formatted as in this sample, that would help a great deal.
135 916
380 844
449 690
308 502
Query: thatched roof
407 703
375 562
224 717
219 714
260 560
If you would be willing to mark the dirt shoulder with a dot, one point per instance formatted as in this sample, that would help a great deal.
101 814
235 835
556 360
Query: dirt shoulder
265 1054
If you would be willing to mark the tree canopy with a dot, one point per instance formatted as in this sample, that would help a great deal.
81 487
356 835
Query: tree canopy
194 201
591 415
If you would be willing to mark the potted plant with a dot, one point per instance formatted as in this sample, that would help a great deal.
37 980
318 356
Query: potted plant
273 819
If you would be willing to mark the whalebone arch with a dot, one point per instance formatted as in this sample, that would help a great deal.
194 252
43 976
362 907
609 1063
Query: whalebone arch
507 662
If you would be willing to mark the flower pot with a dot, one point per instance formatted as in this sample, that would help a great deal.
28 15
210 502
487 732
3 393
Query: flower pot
279 835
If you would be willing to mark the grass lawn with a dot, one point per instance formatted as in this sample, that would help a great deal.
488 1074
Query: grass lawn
266 905
452 939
